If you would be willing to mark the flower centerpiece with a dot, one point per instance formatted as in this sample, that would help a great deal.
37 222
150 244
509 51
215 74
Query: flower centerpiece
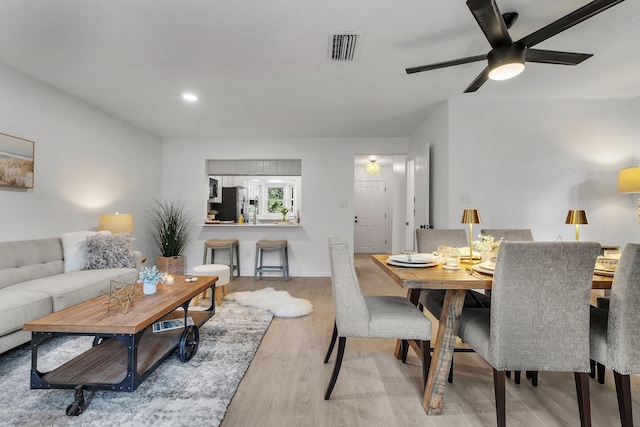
487 245
150 276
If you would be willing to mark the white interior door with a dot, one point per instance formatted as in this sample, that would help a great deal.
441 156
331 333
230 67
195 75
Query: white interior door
370 207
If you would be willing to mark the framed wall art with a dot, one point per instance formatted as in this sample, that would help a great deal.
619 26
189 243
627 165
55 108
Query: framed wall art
16 161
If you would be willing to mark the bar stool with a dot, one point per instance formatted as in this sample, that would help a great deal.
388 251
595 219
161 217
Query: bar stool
272 245
220 270
230 244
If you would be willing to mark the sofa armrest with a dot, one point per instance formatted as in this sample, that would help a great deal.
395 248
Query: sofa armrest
137 259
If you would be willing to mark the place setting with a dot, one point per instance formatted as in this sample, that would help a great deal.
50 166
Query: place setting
412 259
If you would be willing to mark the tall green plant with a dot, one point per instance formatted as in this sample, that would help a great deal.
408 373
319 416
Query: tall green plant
170 226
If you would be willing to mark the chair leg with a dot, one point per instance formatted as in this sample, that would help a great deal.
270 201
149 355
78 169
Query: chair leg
404 350
426 361
592 364
333 342
255 271
600 370
450 378
584 403
336 368
623 391
499 390
516 377
238 260
533 376
218 296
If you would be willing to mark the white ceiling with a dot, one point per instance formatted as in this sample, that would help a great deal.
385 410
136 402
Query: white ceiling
261 69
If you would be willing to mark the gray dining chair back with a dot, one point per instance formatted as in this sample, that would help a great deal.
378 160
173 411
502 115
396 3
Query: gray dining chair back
509 234
428 239
615 333
361 316
539 315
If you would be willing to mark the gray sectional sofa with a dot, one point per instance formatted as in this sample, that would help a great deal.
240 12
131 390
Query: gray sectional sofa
33 283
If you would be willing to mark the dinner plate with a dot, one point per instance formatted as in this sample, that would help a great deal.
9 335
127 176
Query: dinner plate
415 259
482 269
411 265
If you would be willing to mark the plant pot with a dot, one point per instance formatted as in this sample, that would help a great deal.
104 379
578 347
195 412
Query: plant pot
174 265
149 288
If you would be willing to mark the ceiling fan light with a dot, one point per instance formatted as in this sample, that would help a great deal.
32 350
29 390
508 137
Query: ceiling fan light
506 71
506 62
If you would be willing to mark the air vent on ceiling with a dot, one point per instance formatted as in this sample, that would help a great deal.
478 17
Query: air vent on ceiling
344 47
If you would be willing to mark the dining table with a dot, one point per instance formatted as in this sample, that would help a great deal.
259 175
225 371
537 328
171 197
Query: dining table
455 283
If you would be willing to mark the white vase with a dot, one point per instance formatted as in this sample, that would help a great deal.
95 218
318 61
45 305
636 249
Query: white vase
149 288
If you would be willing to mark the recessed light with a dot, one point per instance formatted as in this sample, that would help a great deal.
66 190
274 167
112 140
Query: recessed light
189 97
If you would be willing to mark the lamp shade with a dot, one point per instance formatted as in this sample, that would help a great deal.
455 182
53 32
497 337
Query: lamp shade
629 180
116 223
372 167
470 216
577 217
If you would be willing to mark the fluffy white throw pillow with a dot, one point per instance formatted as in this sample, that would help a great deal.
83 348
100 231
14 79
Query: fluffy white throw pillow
75 254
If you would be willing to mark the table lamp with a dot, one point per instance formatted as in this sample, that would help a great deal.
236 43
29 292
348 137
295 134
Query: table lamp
577 217
629 182
470 216
116 223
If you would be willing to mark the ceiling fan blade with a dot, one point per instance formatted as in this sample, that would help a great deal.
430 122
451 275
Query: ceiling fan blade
555 57
479 81
491 22
446 64
568 21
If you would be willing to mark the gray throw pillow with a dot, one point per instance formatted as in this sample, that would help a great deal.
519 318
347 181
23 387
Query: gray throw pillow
108 251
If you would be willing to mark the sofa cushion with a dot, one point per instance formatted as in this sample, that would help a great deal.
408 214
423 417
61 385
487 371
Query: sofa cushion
108 251
75 287
75 253
29 259
20 306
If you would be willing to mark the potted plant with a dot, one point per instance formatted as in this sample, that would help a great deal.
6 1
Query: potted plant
170 225
150 278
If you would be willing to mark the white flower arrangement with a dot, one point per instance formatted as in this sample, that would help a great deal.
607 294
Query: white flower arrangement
150 275
487 244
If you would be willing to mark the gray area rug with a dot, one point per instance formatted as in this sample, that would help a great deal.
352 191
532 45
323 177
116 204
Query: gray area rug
195 393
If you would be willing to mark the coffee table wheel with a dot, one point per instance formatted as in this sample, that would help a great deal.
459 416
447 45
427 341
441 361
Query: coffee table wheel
77 407
188 343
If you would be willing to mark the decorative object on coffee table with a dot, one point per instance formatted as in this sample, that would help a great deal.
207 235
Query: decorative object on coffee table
122 296
170 229
150 276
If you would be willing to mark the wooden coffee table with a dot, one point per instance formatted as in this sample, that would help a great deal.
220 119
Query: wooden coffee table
125 349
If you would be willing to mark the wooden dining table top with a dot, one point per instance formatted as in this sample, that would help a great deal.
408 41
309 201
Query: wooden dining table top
437 277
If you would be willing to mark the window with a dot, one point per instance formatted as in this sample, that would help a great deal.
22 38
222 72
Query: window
275 199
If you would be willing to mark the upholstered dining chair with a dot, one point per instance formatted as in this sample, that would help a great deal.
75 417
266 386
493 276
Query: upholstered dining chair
513 235
361 316
509 234
539 315
428 240
615 333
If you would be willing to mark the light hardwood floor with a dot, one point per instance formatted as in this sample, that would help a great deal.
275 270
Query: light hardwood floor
285 383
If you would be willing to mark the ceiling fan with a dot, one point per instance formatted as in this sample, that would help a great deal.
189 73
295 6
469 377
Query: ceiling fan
506 58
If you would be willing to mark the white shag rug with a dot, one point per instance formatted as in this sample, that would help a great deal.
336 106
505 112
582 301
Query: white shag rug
280 303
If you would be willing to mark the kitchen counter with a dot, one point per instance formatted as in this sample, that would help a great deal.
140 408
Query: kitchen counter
246 224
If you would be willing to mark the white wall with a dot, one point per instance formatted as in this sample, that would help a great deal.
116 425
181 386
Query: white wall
526 163
327 180
435 132
86 163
